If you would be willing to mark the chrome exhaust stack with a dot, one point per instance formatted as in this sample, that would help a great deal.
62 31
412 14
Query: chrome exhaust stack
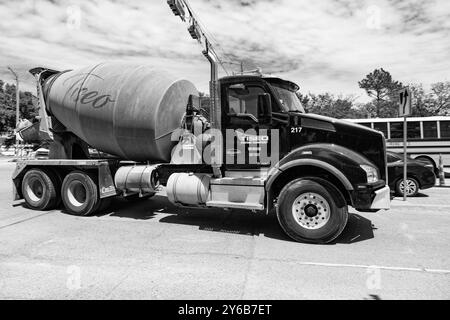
215 110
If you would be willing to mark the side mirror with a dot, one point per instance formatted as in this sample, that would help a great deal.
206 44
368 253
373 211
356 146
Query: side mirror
264 105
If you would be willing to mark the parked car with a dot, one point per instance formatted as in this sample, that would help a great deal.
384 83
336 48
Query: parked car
420 175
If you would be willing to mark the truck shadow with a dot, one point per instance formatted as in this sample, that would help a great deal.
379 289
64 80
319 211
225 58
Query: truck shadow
236 221
418 195
422 195
358 229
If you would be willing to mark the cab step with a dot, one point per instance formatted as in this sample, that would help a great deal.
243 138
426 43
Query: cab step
236 205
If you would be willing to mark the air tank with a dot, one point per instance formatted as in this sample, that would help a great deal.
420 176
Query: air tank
137 179
127 110
188 188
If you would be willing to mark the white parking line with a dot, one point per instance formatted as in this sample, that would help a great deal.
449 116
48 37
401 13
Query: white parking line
420 205
360 266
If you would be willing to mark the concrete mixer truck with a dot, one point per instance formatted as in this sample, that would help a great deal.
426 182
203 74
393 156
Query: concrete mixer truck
254 147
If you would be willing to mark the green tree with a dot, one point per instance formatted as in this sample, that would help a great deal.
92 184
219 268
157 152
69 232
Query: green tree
28 109
7 111
420 101
433 103
383 89
360 111
28 106
327 104
440 93
304 98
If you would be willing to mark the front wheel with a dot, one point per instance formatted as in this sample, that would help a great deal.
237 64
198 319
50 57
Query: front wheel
308 212
412 187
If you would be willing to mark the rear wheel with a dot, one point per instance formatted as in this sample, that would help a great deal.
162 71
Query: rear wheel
40 189
80 193
57 182
412 187
308 212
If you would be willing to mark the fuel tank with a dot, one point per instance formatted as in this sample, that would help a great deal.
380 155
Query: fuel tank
124 109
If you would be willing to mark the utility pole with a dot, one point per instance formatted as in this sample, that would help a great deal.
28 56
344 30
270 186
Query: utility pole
16 77
17 108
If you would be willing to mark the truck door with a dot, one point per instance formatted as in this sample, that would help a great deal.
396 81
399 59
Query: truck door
246 126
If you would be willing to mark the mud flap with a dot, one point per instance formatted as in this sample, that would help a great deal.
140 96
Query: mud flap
106 182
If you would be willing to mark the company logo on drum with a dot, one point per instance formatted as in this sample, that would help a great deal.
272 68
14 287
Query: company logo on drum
79 91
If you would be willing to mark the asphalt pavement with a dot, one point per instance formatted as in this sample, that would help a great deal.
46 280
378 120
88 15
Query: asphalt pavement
152 250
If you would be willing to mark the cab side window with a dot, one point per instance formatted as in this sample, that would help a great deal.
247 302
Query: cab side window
244 99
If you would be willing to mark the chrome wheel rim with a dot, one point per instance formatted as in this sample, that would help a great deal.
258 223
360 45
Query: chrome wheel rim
35 189
76 193
411 187
311 211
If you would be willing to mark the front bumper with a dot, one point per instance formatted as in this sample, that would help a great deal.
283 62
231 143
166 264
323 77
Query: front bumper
371 197
382 199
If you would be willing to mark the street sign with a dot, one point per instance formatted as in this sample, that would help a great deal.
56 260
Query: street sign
404 102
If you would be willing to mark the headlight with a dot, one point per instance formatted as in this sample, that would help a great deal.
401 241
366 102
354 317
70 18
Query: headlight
371 173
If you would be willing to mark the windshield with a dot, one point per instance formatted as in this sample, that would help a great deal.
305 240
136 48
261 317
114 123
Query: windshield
288 99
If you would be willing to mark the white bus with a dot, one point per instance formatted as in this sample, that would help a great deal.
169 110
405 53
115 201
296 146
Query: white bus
428 137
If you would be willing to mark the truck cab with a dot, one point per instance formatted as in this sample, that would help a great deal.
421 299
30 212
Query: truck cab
308 167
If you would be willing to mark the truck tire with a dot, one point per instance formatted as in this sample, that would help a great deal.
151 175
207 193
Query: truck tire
57 183
39 189
308 212
412 187
80 193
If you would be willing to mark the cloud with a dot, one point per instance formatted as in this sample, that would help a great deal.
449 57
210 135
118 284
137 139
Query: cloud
324 45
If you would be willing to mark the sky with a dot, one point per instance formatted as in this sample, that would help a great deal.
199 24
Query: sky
322 45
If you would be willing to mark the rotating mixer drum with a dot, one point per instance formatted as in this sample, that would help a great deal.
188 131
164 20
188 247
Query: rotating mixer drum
123 109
